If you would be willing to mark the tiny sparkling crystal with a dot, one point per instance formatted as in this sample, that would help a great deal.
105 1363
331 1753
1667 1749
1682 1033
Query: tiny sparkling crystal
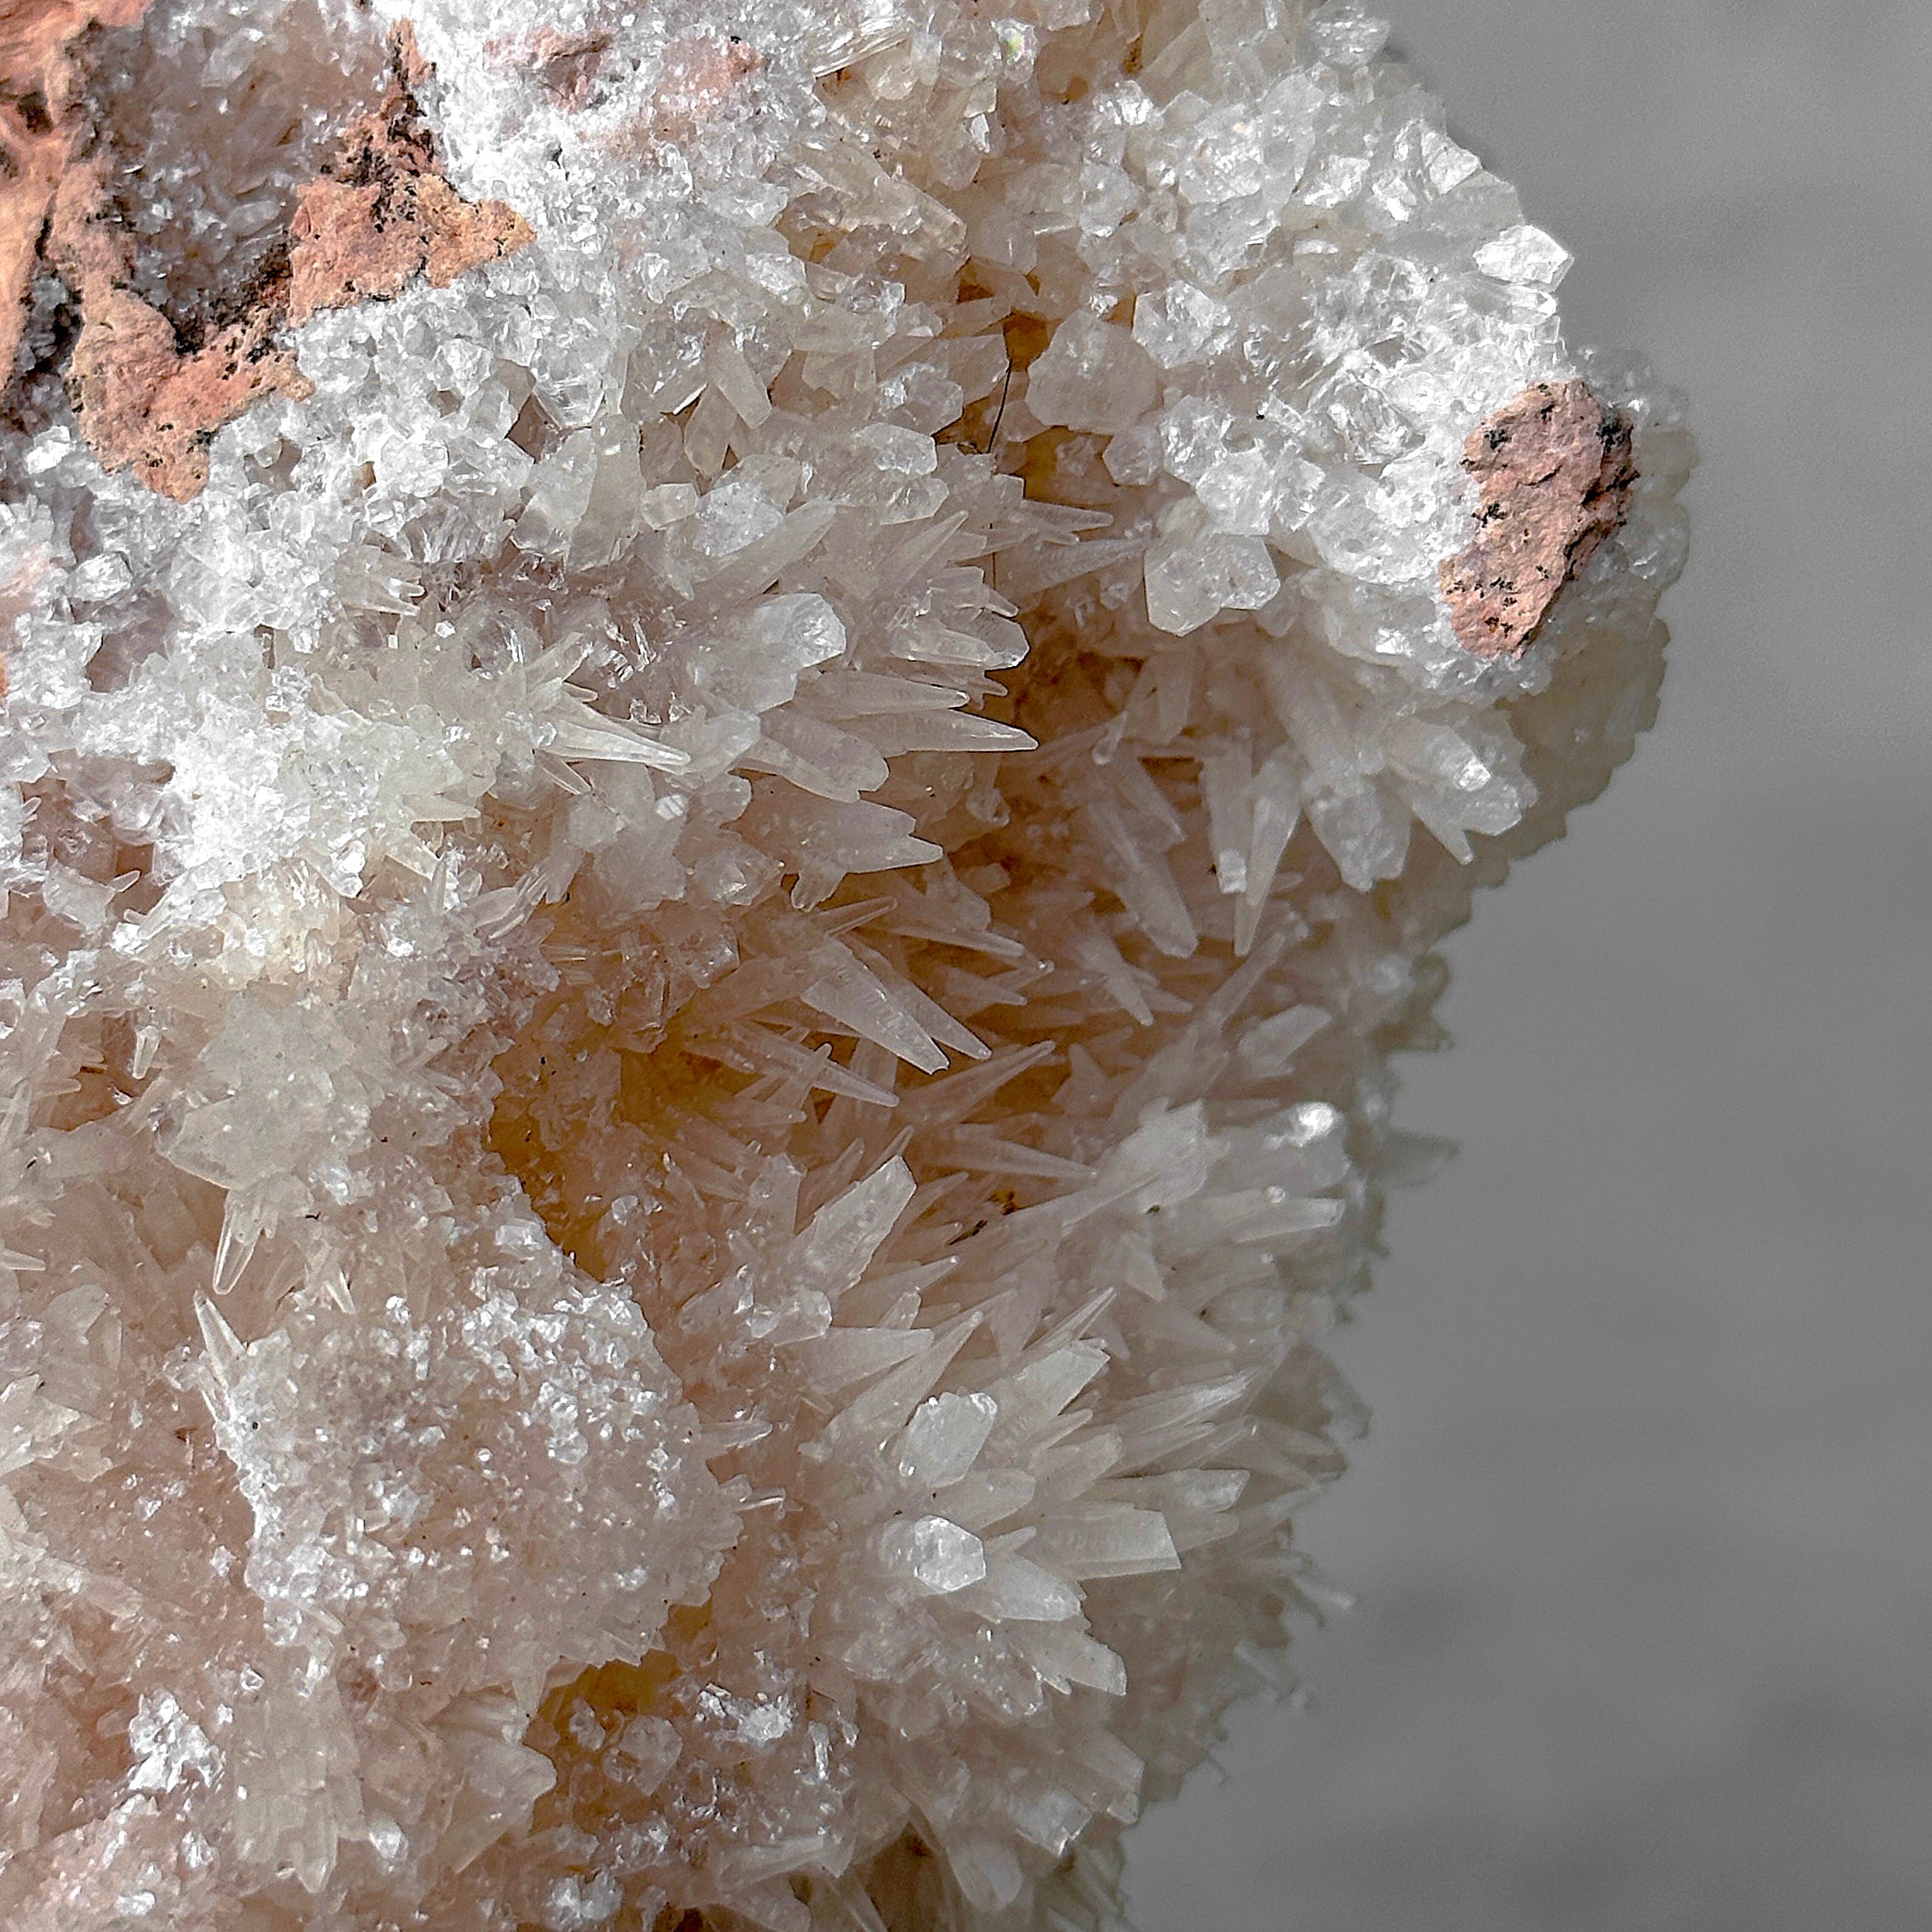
733 736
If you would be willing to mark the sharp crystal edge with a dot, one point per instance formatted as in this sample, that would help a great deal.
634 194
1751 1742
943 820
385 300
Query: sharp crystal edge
734 737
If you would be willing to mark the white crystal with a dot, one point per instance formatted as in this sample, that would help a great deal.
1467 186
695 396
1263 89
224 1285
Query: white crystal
940 1556
1093 376
1524 253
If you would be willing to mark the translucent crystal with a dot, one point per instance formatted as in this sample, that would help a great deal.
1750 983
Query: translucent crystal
1094 375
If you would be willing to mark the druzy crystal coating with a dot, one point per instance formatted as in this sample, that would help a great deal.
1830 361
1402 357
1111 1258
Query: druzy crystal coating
733 736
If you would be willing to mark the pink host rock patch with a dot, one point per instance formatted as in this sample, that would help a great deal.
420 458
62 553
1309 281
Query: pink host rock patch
388 213
146 402
1554 468
564 65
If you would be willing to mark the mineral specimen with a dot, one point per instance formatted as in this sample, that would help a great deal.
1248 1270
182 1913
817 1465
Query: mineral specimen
715 729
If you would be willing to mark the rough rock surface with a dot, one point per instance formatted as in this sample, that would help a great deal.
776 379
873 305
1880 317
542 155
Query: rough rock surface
41 122
143 402
707 891
387 214
146 402
1554 469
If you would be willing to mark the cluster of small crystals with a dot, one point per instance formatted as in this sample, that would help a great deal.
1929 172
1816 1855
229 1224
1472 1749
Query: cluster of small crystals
695 1001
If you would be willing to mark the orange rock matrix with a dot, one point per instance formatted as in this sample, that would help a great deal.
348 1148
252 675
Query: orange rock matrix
142 401
146 402
707 878
387 214
701 74
1554 467
40 122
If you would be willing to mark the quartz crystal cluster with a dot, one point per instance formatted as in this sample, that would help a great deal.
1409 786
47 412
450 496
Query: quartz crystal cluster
734 731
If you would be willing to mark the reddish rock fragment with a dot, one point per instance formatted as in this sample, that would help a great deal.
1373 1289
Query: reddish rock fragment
387 211
127 351
83 245
459 236
144 405
33 171
414 68
39 127
1554 468
701 77
383 214
347 244
141 403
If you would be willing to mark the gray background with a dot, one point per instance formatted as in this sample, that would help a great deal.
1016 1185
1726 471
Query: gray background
1641 1533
